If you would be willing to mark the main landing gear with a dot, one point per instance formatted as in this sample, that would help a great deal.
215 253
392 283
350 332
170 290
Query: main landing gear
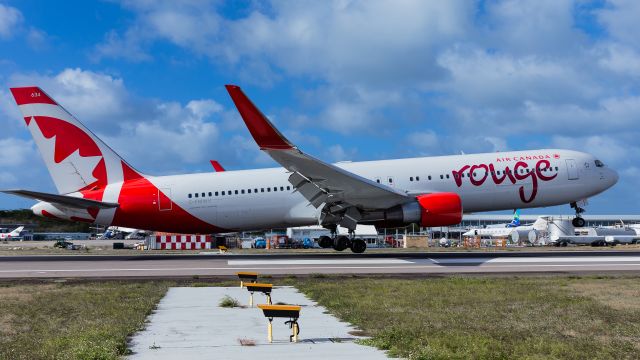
342 242
578 221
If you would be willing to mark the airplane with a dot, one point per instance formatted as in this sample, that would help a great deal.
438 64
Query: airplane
13 234
96 185
502 230
118 232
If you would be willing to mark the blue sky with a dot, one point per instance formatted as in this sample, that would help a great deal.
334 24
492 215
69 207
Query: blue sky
345 80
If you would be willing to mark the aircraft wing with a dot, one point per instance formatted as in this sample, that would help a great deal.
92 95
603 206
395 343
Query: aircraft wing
319 182
65 200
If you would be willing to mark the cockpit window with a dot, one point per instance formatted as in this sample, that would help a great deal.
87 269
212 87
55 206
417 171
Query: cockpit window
599 163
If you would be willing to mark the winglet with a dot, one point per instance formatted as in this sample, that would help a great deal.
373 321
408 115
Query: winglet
262 130
31 95
216 166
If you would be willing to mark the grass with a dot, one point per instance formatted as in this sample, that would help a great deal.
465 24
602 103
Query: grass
229 302
489 317
481 317
89 320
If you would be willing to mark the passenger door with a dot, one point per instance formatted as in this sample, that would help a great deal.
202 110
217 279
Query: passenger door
572 169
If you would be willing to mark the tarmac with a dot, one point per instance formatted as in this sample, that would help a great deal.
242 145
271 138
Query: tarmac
87 266
189 324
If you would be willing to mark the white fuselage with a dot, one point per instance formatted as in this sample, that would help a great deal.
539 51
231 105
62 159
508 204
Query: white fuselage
263 198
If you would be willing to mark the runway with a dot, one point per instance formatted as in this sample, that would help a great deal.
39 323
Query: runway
228 265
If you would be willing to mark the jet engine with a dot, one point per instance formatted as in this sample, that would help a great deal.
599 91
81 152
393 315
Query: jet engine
438 209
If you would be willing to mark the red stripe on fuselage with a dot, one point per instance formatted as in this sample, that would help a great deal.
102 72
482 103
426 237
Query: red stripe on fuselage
139 209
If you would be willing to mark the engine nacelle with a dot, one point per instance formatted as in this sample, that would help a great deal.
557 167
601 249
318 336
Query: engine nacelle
439 209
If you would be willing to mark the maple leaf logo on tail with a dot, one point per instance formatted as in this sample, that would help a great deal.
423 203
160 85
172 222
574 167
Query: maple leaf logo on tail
78 161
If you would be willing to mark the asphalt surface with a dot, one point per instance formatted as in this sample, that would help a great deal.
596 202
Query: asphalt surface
172 266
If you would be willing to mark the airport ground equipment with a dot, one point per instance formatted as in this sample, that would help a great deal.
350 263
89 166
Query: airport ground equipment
248 277
282 311
258 287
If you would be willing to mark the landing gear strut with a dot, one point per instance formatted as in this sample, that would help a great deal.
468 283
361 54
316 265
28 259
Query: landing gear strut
578 221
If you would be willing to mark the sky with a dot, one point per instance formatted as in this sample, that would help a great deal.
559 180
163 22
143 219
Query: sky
344 80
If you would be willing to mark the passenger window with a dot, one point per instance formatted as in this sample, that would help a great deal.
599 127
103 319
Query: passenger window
599 163
275 188
203 195
261 189
216 193
288 188
390 180
223 193
268 189
189 196
447 176
417 178
556 168
255 191
210 194
196 194
242 191
249 191
378 181
411 178
441 177
236 192
429 177
281 188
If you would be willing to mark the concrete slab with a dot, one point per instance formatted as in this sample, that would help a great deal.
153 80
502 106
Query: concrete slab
189 324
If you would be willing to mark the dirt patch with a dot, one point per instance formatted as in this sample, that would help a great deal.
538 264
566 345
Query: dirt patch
620 294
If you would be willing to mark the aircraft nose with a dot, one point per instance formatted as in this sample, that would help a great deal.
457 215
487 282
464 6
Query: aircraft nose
613 175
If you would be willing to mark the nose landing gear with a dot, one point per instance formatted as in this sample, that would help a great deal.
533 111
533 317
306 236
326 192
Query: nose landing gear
578 221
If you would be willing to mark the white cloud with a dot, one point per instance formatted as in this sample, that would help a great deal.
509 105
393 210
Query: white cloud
337 153
538 27
204 108
427 142
154 135
37 39
10 19
621 59
129 47
620 17
482 79
612 150
15 152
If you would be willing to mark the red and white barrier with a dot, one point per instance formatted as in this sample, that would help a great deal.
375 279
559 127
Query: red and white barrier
180 242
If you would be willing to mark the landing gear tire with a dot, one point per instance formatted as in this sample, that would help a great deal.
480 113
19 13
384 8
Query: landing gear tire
325 242
358 246
342 242
578 222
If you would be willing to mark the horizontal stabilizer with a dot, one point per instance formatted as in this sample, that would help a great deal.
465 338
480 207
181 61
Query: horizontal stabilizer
65 200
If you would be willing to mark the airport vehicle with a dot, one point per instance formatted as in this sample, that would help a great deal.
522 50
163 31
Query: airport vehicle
13 234
63 244
96 185
260 243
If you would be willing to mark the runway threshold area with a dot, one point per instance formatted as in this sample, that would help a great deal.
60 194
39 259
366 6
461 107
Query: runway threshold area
300 265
